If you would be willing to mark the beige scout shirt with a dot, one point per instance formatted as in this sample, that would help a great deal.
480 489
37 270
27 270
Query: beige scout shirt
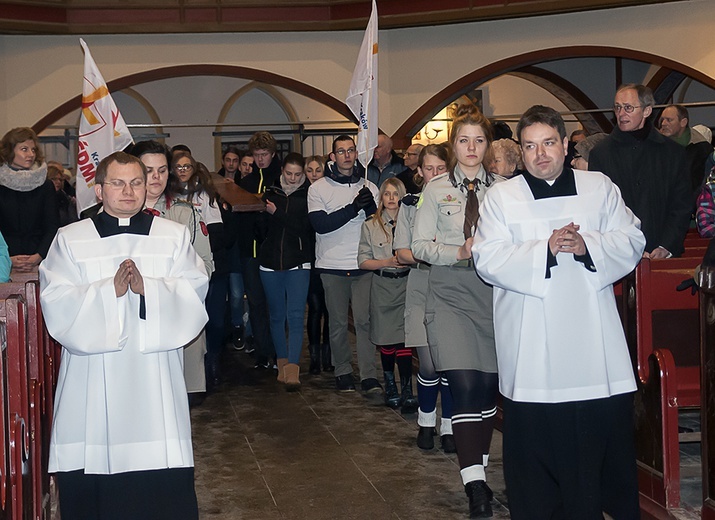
374 243
437 234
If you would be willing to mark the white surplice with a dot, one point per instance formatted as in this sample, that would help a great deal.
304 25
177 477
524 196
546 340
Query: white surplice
121 400
558 339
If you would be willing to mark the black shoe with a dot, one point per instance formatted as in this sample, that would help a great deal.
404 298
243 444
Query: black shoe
326 356
263 365
448 444
408 402
479 497
237 339
196 399
250 345
314 351
392 396
345 383
371 386
425 438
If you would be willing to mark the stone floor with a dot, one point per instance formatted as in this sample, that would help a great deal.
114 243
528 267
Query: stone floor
264 453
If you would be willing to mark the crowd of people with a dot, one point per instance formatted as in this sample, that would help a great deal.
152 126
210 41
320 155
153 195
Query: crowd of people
490 260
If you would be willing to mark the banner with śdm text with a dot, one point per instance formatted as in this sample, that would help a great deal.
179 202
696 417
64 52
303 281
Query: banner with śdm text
102 130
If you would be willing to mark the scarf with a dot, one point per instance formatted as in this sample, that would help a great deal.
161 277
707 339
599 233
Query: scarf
23 180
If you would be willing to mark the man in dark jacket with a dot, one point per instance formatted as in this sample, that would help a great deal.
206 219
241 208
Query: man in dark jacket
266 170
385 163
674 123
649 169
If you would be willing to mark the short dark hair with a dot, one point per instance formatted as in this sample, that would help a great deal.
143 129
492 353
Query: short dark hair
231 149
580 131
544 115
116 157
342 137
145 147
681 110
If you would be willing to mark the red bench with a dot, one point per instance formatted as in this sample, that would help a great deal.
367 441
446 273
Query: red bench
662 329
707 412
30 379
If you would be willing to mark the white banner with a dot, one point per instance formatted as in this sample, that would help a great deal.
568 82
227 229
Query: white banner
102 130
362 96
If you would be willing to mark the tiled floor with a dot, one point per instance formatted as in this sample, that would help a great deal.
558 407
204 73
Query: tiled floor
263 453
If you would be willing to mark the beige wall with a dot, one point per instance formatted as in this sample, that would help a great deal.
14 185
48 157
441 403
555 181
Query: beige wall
40 73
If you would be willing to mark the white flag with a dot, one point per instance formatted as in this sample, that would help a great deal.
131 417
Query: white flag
362 97
102 130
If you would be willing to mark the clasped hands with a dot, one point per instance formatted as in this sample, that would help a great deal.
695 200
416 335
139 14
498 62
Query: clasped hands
567 240
128 277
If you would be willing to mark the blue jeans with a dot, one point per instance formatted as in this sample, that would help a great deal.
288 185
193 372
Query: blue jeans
287 292
238 305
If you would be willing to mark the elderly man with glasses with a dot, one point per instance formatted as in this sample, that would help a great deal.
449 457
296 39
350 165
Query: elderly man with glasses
650 170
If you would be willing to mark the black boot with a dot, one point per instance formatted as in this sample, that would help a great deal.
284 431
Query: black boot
237 338
327 355
425 437
211 367
408 401
392 396
314 351
479 497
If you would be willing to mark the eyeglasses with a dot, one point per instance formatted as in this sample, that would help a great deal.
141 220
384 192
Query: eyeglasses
117 184
627 108
183 167
342 151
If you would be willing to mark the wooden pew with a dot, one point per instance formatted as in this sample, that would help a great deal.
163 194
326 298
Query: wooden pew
707 411
661 326
15 419
36 361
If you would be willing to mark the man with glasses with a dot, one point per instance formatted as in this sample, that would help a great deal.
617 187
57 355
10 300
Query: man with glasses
123 292
650 170
407 176
338 204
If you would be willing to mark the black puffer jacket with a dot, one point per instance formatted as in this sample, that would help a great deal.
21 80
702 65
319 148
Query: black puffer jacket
289 236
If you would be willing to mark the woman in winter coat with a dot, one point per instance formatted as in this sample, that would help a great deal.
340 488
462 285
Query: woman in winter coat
284 260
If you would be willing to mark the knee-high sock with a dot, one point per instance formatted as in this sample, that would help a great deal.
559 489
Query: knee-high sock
387 356
447 400
404 362
427 391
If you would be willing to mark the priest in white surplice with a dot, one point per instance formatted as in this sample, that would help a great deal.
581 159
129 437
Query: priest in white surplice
123 292
552 242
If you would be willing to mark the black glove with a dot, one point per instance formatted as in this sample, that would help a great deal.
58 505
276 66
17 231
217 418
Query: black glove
363 199
410 200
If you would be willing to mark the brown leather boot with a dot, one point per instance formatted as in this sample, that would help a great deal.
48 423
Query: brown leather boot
292 380
281 363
